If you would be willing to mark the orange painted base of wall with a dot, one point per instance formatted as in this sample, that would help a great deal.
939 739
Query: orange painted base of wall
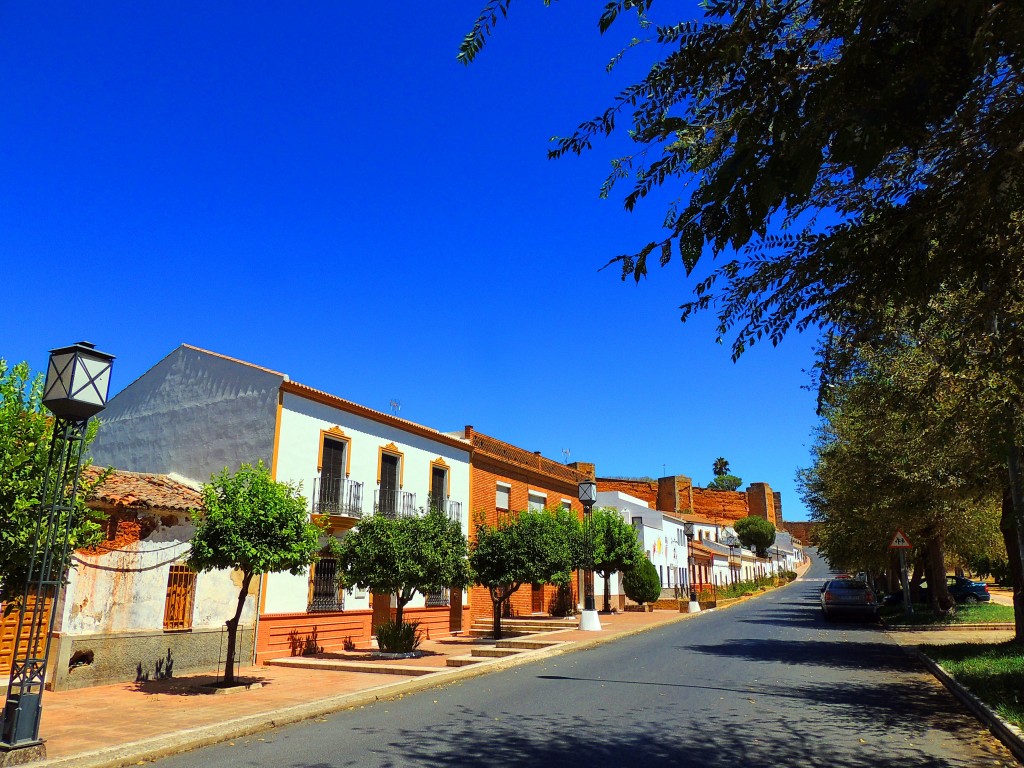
521 601
296 634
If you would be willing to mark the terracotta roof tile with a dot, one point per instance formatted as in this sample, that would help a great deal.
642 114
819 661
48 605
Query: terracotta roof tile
142 490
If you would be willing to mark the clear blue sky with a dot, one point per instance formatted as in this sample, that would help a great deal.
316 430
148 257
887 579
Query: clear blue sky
320 188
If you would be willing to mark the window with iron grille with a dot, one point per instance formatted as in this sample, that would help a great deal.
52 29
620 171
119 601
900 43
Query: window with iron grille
181 597
325 592
438 599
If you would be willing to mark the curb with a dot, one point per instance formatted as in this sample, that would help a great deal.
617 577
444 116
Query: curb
158 747
947 627
1009 734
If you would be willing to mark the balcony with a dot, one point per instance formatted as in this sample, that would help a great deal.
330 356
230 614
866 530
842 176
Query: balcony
392 503
451 508
337 496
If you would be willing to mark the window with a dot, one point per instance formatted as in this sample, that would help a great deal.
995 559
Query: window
501 500
181 596
567 505
332 476
661 574
389 475
325 593
536 501
438 486
438 599
638 523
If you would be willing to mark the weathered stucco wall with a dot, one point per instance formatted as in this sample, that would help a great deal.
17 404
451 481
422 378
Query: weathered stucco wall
125 590
193 413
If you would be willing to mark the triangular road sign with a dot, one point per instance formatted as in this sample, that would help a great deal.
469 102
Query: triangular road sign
900 541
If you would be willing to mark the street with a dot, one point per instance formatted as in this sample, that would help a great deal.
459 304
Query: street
764 683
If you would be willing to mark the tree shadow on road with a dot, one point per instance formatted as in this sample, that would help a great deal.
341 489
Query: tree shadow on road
823 653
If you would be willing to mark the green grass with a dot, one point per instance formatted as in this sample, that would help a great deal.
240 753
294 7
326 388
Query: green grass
982 613
994 673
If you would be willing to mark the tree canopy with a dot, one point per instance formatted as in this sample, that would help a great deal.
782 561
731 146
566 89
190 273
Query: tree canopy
616 548
404 555
883 137
256 525
755 533
26 430
533 547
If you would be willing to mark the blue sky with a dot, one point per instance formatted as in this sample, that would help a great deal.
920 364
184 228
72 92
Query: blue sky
320 188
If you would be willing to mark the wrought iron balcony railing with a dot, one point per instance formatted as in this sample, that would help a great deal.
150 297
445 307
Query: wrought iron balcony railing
392 503
337 496
450 507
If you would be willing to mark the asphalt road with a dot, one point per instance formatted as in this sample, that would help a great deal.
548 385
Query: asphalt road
764 683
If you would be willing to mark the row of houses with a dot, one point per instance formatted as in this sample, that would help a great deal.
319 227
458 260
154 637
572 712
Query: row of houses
133 610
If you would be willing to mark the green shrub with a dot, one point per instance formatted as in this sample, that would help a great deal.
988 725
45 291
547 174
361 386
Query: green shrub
642 583
394 637
789 575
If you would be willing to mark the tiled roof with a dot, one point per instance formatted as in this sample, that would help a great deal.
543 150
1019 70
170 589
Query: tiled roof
523 458
142 490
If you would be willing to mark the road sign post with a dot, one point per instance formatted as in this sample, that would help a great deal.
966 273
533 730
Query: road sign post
902 543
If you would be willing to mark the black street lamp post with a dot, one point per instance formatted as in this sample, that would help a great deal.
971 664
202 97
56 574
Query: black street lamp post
690 566
588 496
76 386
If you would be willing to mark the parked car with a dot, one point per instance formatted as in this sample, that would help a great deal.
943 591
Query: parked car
962 590
848 597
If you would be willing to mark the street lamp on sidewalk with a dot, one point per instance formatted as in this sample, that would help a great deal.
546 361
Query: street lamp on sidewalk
75 390
588 496
694 606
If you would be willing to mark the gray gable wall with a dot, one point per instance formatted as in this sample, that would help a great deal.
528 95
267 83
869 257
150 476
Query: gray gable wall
192 413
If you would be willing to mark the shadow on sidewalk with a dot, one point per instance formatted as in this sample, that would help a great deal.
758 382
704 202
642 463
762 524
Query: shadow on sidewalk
197 685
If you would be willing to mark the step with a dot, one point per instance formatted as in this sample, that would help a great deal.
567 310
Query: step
463 661
332 665
558 623
488 633
494 653
527 643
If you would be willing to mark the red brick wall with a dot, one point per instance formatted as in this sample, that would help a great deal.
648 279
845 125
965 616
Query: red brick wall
761 501
720 506
484 476
801 531
647 490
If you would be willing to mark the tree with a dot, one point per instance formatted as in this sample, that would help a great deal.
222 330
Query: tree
883 138
524 548
901 445
616 548
404 555
255 525
26 431
642 583
720 467
725 483
755 533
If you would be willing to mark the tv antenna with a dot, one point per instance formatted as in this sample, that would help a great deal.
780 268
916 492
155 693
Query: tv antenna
565 452
396 406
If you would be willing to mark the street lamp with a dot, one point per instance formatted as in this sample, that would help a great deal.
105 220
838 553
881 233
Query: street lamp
691 570
588 496
76 386
732 541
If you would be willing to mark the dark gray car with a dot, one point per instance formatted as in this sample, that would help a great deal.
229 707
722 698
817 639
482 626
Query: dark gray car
848 597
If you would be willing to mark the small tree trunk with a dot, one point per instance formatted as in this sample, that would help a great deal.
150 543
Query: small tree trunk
935 564
607 592
1017 503
1008 527
232 624
400 603
496 602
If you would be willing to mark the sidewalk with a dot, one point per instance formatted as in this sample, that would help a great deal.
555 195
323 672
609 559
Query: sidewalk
122 724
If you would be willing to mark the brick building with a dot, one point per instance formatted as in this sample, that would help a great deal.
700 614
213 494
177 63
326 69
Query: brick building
505 479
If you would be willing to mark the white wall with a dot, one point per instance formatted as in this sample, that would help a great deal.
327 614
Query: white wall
298 450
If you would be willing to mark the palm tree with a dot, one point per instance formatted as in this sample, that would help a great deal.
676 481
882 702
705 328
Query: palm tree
720 467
